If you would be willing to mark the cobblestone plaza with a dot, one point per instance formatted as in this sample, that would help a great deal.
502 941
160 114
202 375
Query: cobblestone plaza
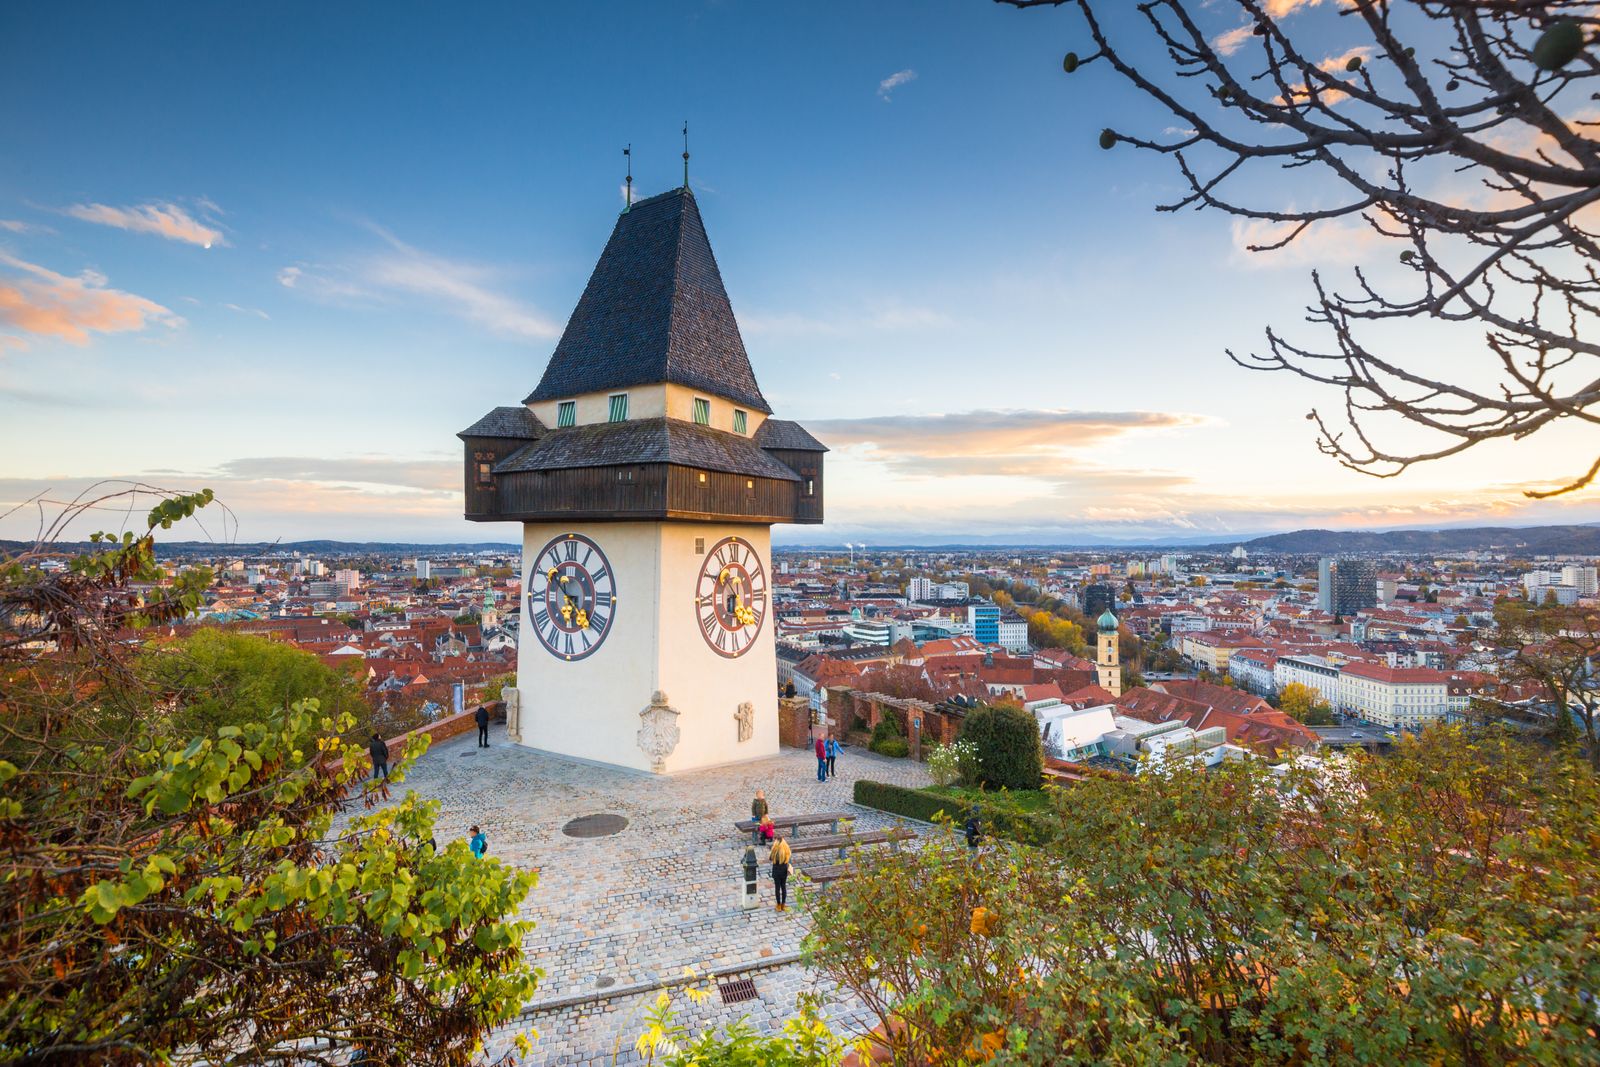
618 916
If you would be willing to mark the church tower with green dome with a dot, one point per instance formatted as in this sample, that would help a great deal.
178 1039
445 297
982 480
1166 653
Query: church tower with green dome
1107 657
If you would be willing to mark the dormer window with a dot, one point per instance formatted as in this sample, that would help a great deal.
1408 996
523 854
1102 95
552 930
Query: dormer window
740 422
702 411
566 413
619 407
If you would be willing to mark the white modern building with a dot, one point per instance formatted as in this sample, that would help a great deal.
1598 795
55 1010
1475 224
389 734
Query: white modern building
1072 733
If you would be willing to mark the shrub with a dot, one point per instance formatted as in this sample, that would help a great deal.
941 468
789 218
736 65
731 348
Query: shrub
1010 755
998 813
954 763
898 747
886 739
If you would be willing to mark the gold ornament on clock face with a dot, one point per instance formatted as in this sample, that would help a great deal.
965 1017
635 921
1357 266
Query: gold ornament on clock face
572 596
730 597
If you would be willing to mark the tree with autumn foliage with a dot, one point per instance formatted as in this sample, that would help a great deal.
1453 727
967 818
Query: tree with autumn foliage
182 893
1437 905
1558 647
1305 705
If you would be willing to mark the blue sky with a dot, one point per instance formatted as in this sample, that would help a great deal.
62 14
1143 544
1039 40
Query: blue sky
933 264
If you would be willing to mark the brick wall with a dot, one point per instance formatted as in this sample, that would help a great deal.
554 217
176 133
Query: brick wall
794 722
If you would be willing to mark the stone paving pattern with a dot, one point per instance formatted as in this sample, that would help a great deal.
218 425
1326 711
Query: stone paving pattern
636 908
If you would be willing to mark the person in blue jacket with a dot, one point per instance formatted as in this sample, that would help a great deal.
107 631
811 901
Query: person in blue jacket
479 843
834 748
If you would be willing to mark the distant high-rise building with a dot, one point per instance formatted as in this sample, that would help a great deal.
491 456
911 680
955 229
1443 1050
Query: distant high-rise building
1345 586
424 569
1582 578
920 589
1098 598
350 579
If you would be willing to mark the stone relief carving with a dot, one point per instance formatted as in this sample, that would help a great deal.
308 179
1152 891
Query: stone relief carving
746 716
658 731
513 699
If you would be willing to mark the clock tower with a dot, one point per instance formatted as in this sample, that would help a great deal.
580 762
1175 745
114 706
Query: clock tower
646 470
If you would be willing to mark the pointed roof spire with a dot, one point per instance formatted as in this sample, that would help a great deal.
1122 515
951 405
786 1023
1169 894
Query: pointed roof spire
654 310
686 153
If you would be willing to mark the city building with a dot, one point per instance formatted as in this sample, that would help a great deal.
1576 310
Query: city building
1011 633
424 570
1345 586
1406 698
1098 598
984 622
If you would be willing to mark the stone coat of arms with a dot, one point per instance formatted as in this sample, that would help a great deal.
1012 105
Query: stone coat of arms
658 731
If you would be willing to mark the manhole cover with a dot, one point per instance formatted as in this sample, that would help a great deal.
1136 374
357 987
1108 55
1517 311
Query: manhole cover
605 982
595 826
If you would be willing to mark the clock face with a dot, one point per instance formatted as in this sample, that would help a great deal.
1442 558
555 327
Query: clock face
730 597
572 596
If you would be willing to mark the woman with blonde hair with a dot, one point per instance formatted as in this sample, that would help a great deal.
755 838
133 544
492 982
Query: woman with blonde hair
780 872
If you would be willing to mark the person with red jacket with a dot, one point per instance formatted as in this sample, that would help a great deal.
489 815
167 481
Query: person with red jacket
822 760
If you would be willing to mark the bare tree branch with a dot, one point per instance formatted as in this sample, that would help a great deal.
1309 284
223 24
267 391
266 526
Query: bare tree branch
1496 92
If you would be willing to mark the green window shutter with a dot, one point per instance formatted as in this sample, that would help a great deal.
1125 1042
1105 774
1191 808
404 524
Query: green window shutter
739 422
702 411
567 413
619 407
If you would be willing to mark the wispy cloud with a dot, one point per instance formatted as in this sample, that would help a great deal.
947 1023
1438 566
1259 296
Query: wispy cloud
422 476
1046 445
247 311
1229 43
168 220
470 291
888 85
39 301
16 226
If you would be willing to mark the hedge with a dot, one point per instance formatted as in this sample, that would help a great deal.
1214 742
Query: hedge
998 817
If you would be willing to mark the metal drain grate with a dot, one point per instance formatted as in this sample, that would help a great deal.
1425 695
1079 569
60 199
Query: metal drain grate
737 991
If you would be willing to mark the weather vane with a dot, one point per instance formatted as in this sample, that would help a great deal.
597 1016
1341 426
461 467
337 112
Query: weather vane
686 153
628 154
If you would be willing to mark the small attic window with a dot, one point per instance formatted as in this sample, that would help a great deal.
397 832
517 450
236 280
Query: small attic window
702 411
740 421
566 413
619 407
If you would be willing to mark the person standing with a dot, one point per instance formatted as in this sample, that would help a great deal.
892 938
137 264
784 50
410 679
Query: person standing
974 829
833 749
779 857
479 843
380 757
822 760
483 726
758 811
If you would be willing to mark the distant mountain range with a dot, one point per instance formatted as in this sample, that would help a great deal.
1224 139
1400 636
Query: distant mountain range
187 549
1577 540
1529 540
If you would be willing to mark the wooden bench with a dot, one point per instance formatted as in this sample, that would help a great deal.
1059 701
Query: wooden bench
795 822
828 873
842 842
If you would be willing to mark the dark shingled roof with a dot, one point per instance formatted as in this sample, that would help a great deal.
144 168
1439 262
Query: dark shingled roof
788 436
654 311
517 422
614 444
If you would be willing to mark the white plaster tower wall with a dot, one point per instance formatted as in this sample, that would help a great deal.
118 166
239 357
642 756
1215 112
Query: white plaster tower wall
589 708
